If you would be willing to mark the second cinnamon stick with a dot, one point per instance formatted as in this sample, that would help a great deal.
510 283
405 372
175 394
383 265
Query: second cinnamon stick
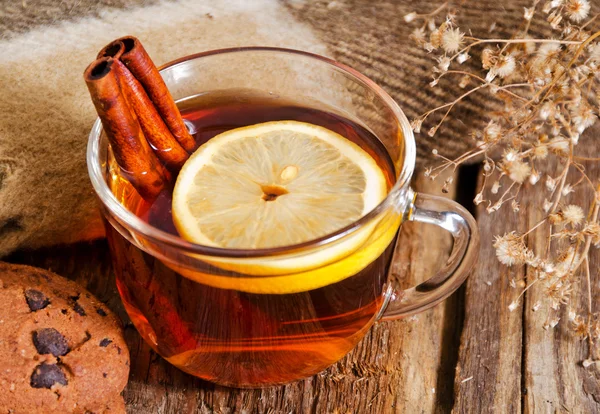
160 138
137 60
123 130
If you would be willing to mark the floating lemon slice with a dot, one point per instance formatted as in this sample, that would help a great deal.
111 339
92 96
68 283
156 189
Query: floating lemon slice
278 184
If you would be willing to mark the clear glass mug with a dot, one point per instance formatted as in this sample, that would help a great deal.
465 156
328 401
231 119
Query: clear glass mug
208 310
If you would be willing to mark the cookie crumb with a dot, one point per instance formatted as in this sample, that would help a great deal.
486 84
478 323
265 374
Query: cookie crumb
36 300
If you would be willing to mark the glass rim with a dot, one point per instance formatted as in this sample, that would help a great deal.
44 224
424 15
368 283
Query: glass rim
129 220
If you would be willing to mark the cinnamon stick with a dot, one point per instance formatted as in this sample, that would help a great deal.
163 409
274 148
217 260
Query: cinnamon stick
135 57
166 147
130 148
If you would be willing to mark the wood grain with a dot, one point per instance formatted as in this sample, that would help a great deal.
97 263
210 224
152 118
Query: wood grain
555 379
488 374
400 366
508 361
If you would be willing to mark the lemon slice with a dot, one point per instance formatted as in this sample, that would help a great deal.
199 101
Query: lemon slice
278 184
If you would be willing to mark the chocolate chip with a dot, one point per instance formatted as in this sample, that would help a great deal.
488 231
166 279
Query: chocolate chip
105 342
78 309
101 312
36 300
104 374
63 311
46 375
50 341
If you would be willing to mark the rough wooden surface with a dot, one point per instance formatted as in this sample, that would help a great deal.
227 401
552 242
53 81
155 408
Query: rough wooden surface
488 374
507 362
401 366
554 377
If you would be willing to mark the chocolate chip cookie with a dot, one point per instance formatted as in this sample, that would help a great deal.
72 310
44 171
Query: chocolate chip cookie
61 350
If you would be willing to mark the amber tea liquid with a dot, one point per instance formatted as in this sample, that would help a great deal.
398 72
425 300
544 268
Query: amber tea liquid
233 337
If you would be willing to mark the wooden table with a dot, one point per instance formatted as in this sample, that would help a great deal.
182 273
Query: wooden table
469 354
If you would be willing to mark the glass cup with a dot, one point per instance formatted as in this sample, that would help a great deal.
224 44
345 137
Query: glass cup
252 318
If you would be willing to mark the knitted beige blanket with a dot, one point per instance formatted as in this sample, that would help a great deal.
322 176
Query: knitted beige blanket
46 113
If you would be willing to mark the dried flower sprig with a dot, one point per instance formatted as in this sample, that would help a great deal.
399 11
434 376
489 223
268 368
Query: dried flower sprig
550 94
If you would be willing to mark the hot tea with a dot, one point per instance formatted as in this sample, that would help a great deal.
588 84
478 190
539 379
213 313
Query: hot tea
251 237
235 324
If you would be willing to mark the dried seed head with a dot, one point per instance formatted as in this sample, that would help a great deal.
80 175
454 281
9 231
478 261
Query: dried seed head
580 327
492 132
443 64
595 53
495 187
410 17
416 125
540 152
435 38
554 19
534 178
567 189
504 66
592 230
464 81
462 58
452 40
550 184
511 155
547 53
547 111
418 36
577 10
559 145
573 214
488 58
511 250
583 117
518 171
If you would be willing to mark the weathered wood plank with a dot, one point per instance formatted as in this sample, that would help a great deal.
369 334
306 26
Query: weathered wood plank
401 366
555 379
488 374
427 342
508 362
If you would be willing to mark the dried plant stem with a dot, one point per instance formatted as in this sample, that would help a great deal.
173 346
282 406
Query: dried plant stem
551 94
510 41
540 223
561 186
588 239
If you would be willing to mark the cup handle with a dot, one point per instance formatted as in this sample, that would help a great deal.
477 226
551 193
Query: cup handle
452 217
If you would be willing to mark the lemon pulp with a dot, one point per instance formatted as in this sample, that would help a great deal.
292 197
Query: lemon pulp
278 184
